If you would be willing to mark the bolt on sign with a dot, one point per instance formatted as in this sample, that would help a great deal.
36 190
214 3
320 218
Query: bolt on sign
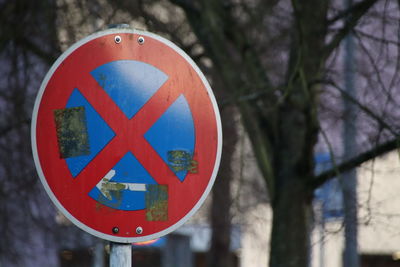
126 135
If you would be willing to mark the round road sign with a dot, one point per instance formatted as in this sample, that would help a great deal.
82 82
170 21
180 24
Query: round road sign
126 135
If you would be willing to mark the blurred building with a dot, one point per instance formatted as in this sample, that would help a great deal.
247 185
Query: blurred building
186 247
379 217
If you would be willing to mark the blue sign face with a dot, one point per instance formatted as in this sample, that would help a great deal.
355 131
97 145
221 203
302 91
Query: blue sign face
130 84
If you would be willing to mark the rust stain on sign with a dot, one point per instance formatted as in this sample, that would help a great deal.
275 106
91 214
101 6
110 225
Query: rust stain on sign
157 202
72 134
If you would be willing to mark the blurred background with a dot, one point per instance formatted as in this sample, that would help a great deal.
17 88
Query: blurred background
310 103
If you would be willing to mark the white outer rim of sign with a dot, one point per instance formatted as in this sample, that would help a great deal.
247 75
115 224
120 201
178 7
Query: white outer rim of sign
36 157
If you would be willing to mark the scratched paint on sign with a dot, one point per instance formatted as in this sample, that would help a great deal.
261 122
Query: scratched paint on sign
108 187
125 184
157 202
72 134
115 195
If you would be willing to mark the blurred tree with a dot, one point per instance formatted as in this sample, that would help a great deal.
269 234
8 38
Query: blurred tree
276 62
28 44
281 104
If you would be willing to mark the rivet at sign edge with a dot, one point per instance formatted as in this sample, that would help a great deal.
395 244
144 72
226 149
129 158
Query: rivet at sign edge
140 40
117 39
139 230
115 230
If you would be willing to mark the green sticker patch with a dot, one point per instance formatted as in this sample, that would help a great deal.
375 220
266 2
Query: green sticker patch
72 135
156 202
181 160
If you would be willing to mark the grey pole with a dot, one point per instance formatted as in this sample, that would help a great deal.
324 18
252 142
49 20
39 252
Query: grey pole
120 255
349 179
322 239
98 255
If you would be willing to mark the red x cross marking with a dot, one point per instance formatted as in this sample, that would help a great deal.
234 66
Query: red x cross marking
71 194
129 132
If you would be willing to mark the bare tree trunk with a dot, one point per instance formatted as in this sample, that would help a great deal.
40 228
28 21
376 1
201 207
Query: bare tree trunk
290 226
291 204
219 254
297 132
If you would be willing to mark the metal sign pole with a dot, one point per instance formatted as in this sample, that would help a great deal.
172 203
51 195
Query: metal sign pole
120 255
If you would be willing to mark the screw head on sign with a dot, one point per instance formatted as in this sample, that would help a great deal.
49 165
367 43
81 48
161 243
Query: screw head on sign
140 40
117 39
115 230
139 230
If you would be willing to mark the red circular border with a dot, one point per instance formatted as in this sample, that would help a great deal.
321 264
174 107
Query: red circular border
183 197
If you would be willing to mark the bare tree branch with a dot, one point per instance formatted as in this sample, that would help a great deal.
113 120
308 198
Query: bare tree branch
345 13
375 38
36 50
355 162
188 6
358 10
377 70
365 109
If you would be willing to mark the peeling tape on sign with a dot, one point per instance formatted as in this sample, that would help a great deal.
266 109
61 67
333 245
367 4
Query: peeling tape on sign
181 160
157 202
72 134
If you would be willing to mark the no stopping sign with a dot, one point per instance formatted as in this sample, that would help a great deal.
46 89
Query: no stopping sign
126 135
